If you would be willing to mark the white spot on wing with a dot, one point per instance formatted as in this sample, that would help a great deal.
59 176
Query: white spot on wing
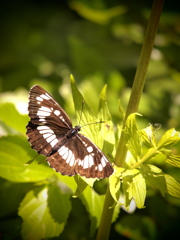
100 168
47 135
39 99
88 161
65 154
43 128
104 161
61 117
46 131
63 151
45 96
91 161
57 112
71 158
42 120
89 149
54 142
50 138
46 109
80 163
44 114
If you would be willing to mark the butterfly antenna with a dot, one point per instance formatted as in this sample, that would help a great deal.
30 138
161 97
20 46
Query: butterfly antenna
81 117
93 123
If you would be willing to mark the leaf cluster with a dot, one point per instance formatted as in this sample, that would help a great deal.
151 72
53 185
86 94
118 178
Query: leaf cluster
45 200
46 203
139 173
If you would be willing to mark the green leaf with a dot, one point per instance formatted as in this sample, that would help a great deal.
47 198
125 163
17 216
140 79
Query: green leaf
68 181
169 139
106 129
118 171
12 118
97 15
114 186
115 182
138 189
38 222
94 205
155 177
121 109
81 185
58 203
148 136
173 187
173 160
14 153
86 116
132 138
134 187
99 133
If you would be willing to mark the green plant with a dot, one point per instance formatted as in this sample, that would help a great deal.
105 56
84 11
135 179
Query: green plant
47 203
44 198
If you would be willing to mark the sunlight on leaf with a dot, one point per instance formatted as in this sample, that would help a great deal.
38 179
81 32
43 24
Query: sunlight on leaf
12 118
105 137
169 139
38 222
68 181
82 183
114 186
173 160
97 16
86 116
106 130
148 136
132 138
134 187
139 190
155 177
14 153
173 187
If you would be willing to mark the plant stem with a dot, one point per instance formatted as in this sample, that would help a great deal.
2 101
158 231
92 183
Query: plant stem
138 85
150 154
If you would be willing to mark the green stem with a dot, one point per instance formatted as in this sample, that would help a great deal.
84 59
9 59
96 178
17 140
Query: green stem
138 85
150 154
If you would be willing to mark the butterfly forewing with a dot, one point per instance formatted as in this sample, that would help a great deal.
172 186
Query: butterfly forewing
43 109
50 133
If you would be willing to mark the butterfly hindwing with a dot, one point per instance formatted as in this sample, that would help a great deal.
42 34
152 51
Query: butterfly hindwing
81 157
50 133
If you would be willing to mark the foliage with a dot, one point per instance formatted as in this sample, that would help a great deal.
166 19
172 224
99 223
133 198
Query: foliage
99 42
48 193
46 206
138 171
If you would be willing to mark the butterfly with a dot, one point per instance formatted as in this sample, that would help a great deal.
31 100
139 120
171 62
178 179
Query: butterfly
50 133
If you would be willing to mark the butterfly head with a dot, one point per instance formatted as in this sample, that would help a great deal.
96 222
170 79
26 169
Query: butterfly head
73 131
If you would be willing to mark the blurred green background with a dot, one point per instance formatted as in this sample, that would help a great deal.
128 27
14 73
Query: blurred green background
99 42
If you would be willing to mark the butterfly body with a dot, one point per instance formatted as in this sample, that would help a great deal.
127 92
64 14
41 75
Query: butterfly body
50 133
